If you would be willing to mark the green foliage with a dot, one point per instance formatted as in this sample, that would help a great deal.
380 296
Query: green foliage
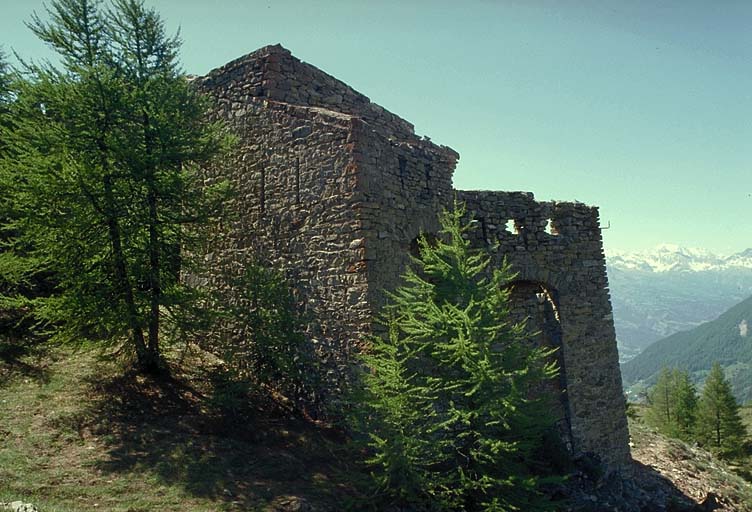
633 412
719 425
101 177
673 404
447 392
713 421
695 350
261 335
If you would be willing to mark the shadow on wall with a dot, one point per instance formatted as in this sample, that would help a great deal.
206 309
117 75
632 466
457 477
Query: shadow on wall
537 304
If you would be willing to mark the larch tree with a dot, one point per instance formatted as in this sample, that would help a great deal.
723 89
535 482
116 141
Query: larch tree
661 411
448 396
103 177
719 425
685 396
673 404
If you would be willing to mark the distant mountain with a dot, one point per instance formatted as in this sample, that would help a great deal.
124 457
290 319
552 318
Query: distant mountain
727 339
657 293
674 258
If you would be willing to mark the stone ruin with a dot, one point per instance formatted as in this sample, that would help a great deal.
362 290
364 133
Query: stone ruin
335 190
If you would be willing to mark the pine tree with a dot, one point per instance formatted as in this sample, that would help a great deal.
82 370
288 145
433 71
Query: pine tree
719 426
102 176
447 398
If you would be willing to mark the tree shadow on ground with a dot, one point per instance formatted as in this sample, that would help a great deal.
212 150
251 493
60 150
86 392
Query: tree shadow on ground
244 457
21 357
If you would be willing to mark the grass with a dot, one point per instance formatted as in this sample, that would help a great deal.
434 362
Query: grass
80 433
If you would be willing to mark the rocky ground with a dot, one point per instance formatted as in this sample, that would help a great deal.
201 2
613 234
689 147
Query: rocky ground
667 476
692 471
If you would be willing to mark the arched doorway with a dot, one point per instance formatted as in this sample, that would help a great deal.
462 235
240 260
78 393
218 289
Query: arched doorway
537 304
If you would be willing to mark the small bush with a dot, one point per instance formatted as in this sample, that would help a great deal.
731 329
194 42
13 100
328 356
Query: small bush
260 334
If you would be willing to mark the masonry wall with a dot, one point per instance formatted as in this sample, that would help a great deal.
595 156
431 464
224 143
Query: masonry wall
273 73
404 185
568 262
335 190
296 182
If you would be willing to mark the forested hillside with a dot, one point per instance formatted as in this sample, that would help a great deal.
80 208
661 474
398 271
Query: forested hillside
726 339
670 289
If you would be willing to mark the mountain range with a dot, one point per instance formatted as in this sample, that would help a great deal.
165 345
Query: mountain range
670 289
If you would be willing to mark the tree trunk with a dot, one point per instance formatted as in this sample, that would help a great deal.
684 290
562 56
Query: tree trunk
154 270
155 285
122 282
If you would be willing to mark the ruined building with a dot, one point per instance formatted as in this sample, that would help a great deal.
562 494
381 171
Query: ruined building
336 190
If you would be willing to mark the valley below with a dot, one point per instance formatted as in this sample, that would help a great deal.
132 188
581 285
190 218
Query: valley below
682 308
672 289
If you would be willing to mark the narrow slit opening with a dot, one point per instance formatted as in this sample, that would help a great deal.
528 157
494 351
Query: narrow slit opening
297 181
402 170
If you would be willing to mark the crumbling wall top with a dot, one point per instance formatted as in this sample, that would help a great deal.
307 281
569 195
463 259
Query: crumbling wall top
272 72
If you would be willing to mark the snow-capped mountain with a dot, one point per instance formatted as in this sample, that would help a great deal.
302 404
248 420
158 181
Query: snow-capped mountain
657 293
674 258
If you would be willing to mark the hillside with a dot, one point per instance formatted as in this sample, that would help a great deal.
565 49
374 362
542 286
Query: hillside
727 339
77 434
694 472
670 289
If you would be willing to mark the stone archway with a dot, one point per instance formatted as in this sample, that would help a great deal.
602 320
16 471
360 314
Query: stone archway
537 304
414 246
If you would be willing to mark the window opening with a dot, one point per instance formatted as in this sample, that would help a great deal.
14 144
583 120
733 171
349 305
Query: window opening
550 229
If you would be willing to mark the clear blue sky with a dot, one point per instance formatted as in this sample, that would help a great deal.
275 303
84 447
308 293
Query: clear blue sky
643 108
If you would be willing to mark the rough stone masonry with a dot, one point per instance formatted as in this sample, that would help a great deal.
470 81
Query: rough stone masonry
335 190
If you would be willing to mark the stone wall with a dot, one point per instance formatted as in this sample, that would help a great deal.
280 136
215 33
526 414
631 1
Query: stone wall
273 73
335 190
294 173
558 246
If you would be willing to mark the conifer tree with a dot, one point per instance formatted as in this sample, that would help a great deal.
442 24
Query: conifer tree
672 404
686 405
719 426
102 176
661 412
447 398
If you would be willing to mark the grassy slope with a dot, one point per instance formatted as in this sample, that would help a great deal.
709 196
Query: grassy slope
77 435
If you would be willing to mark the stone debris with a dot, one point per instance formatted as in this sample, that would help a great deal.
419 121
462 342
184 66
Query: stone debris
290 504
19 506
668 467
